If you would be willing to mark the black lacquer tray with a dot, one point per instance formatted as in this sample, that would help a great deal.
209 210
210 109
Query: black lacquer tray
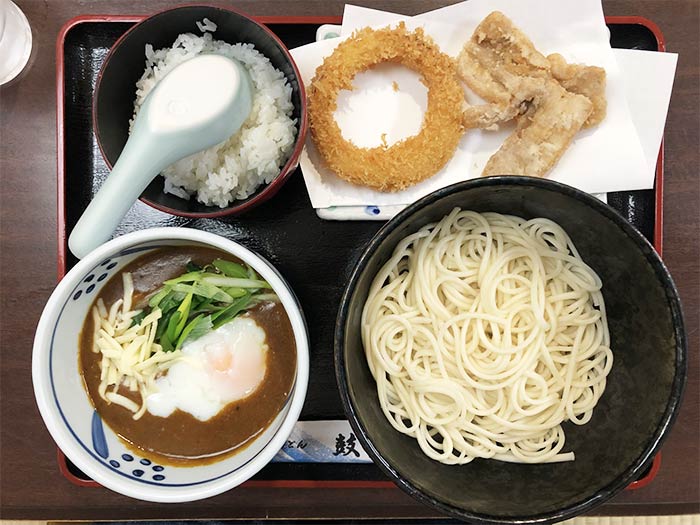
315 256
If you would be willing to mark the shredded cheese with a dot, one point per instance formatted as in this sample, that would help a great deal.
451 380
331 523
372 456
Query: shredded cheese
130 356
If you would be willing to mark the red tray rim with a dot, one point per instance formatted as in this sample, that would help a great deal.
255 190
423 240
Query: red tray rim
318 20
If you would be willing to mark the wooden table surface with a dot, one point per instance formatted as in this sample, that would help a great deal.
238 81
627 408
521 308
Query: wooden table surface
31 486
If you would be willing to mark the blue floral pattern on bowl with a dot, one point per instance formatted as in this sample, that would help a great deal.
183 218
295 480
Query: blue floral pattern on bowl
102 272
99 444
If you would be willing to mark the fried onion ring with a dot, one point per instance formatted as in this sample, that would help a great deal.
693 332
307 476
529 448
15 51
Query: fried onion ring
411 160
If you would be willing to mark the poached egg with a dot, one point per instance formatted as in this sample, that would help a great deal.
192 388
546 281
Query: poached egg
223 366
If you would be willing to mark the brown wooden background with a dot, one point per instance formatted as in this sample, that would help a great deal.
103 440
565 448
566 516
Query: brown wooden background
31 486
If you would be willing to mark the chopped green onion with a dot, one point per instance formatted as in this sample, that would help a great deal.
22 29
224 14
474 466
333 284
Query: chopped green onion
193 267
185 278
235 282
184 310
171 331
224 316
203 299
166 343
266 297
157 298
204 306
236 292
171 301
136 320
230 269
251 273
195 329
204 289
163 325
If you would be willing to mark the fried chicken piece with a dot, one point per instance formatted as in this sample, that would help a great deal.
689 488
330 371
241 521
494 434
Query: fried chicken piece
499 63
479 78
490 116
542 135
497 57
550 99
498 44
510 94
588 81
525 93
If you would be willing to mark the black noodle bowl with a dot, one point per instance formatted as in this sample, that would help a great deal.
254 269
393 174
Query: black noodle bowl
643 392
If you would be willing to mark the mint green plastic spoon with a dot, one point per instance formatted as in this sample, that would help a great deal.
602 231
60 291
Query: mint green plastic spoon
199 104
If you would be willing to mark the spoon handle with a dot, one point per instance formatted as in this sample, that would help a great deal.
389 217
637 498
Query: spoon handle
138 164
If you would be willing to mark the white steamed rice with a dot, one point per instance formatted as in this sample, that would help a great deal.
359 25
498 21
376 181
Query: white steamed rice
255 154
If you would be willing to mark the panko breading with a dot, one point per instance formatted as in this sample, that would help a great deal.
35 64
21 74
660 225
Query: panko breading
542 136
545 95
409 161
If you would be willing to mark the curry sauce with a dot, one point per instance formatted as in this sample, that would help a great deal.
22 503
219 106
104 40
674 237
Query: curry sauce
181 437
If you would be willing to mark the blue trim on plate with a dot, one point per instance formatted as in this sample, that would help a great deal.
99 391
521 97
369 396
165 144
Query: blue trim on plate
99 442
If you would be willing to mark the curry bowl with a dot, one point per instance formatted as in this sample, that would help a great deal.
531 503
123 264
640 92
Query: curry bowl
631 419
86 435
116 93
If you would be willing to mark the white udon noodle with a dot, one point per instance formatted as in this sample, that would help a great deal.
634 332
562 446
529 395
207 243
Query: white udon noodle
484 332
